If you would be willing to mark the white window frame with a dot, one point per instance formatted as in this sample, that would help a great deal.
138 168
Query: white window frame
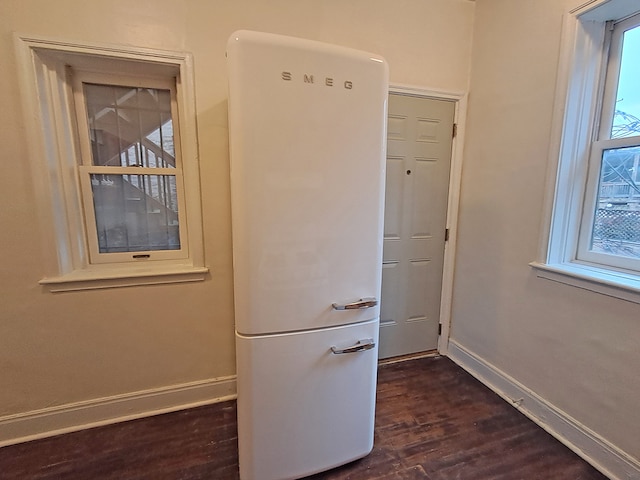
604 120
584 251
55 157
86 167
578 105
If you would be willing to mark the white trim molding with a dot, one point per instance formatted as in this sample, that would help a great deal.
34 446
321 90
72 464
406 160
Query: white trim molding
453 201
44 68
607 458
584 52
72 417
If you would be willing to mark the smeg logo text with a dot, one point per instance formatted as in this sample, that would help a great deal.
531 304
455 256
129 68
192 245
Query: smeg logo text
310 79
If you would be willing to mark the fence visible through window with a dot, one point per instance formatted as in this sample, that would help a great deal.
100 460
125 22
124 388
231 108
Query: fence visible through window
616 223
616 228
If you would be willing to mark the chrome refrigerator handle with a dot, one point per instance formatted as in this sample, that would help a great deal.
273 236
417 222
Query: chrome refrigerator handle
366 302
362 345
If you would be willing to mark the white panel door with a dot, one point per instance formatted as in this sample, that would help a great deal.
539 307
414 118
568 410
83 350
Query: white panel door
419 139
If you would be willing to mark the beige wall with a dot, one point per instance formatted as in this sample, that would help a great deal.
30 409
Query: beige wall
576 349
57 349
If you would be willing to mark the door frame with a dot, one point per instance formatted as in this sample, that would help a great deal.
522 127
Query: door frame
453 200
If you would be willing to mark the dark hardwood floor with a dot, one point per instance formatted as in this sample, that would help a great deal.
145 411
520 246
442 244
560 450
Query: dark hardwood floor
433 421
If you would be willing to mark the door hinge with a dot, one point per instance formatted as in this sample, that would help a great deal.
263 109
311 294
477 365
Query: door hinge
446 234
439 329
455 130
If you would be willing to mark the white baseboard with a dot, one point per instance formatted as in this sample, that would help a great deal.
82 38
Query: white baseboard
607 458
47 422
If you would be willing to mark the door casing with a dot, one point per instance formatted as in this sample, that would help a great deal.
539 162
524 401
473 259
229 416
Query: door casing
453 200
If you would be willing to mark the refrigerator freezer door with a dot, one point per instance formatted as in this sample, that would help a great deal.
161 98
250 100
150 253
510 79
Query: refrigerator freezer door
307 131
303 409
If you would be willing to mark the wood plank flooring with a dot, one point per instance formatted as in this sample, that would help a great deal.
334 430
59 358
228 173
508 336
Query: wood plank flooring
433 421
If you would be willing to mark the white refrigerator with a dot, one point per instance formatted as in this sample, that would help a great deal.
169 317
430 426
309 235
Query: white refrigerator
307 137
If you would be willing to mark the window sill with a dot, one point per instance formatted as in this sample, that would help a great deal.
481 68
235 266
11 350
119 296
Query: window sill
606 282
129 277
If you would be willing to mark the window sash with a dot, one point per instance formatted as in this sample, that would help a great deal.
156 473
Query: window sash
86 169
584 252
612 50
91 219
616 33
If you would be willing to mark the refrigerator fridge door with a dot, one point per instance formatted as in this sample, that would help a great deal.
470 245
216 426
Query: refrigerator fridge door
307 131
302 408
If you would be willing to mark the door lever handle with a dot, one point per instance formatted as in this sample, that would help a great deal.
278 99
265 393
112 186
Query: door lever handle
366 302
361 346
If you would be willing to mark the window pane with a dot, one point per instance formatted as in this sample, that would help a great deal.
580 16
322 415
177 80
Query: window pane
626 121
136 212
130 126
616 228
